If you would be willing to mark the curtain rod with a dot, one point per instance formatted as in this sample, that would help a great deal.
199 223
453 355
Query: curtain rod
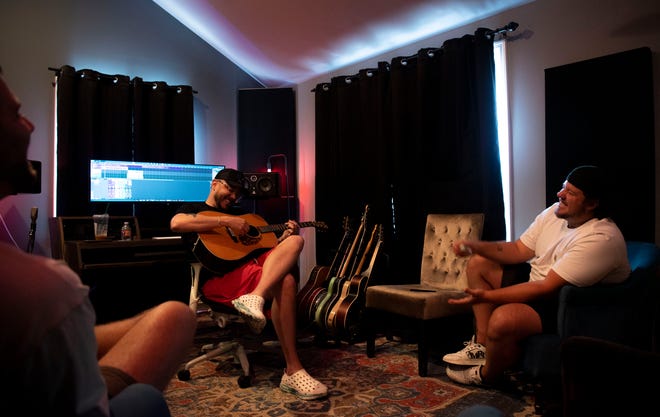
58 70
509 27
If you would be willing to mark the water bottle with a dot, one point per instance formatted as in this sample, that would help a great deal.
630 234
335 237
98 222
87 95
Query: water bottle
126 233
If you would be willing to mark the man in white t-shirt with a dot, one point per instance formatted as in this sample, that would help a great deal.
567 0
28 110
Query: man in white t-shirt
513 286
56 361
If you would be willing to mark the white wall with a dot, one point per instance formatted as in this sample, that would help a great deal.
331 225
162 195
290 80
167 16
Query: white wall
551 33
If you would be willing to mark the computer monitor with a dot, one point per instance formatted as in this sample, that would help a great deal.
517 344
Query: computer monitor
146 182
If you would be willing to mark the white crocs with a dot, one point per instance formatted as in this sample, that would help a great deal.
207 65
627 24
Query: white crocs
250 307
303 386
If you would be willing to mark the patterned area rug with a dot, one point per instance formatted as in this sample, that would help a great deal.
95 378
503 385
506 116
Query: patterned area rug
386 385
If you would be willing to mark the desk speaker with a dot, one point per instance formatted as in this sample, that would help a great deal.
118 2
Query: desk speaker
261 184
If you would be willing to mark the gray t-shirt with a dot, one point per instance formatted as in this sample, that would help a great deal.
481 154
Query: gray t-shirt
47 340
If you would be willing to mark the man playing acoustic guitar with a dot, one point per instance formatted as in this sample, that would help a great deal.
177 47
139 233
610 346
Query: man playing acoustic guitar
261 275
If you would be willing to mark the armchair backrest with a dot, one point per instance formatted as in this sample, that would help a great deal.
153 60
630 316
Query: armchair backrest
441 268
642 255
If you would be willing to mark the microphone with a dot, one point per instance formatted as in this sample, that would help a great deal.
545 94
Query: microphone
33 228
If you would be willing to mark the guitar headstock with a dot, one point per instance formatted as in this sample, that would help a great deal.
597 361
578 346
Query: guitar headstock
346 224
321 226
364 214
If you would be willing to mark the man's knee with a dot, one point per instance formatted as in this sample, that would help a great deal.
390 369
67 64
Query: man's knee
480 269
295 243
513 321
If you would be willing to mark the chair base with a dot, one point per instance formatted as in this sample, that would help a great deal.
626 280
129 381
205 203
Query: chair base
422 332
219 349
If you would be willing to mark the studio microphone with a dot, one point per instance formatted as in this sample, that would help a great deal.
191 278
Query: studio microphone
33 228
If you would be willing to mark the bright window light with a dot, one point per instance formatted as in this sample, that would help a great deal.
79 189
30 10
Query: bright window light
502 103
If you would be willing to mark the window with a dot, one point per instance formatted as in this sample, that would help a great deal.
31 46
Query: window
504 139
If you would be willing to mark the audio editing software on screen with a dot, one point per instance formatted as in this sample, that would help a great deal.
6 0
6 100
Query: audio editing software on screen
149 181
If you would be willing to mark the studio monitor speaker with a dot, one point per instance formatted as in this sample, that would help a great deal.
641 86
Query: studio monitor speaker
261 184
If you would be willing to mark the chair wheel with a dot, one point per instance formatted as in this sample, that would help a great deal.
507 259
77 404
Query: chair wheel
183 375
244 381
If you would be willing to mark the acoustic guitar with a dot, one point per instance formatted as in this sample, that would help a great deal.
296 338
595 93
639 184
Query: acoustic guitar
219 246
350 308
316 286
336 282
344 291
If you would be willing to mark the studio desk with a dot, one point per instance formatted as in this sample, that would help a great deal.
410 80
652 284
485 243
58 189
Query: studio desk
126 277
87 255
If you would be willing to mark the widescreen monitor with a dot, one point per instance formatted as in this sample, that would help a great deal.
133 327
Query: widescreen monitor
138 182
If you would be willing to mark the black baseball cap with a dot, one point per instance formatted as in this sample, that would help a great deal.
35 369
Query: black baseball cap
232 177
590 179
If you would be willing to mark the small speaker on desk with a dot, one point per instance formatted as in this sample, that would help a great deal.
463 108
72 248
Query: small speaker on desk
261 184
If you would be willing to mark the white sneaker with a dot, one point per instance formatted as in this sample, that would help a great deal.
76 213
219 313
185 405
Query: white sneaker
303 386
465 376
472 354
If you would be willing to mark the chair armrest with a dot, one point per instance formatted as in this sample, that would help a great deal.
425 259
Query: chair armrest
623 313
593 311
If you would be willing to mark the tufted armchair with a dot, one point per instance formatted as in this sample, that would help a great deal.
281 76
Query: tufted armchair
442 276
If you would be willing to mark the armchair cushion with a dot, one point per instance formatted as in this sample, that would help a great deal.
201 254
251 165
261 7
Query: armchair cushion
415 300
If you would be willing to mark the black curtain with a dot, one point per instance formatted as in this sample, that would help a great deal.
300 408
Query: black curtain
414 136
163 122
102 116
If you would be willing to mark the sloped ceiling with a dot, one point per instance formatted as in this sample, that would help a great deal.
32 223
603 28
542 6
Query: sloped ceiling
286 42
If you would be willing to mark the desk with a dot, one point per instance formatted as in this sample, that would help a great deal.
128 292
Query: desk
85 255
127 277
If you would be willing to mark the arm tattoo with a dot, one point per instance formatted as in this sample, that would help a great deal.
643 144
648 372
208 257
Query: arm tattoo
499 247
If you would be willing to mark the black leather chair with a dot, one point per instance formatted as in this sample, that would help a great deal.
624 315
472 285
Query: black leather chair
625 313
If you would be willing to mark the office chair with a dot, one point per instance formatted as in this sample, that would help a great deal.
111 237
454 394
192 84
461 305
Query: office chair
225 317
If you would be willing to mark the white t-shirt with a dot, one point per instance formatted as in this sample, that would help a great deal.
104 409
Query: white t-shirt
594 252
47 340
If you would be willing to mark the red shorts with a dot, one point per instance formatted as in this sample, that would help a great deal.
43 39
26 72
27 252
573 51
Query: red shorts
233 284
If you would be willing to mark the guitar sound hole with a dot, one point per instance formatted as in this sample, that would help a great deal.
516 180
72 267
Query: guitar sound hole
253 232
252 237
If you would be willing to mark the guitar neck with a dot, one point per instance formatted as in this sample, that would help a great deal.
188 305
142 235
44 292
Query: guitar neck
365 253
352 252
339 257
281 227
374 255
